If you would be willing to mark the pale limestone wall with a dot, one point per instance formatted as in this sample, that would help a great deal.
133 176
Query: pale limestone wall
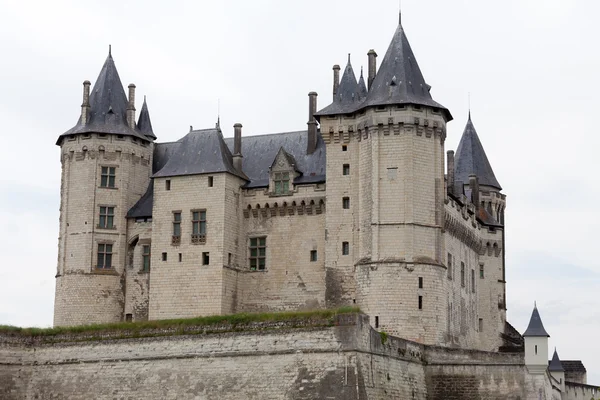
137 280
463 244
187 288
85 294
294 225
576 391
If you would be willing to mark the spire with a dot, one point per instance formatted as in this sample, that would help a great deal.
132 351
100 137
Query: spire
399 79
471 159
347 96
144 124
536 327
362 86
555 364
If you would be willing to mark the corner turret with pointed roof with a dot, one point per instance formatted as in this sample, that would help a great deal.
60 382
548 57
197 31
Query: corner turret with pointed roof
536 344
107 111
536 327
362 86
555 364
144 124
347 98
470 159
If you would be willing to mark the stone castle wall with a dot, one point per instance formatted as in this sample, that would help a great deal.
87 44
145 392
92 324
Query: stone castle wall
283 360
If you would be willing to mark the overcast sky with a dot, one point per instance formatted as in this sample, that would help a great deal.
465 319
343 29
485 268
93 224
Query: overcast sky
531 67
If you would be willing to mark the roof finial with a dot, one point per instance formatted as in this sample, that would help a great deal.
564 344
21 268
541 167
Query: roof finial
400 12
109 50
361 71
348 58
218 114
469 106
534 304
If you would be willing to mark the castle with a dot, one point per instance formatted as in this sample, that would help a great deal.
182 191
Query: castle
363 208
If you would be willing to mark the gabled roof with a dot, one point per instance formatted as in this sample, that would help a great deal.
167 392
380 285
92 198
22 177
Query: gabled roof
347 98
200 152
289 159
108 106
144 124
399 79
535 328
470 159
555 365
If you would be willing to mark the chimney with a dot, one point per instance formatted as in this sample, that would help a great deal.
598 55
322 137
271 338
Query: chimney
474 186
311 145
237 147
85 105
450 167
336 79
131 106
372 67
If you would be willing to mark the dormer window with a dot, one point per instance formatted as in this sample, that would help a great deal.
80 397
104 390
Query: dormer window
281 182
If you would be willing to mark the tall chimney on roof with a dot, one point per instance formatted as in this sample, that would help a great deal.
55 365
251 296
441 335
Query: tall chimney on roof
372 67
450 182
336 79
131 107
85 105
311 144
237 147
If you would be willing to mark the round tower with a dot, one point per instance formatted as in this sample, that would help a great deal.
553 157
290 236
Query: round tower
106 164
385 196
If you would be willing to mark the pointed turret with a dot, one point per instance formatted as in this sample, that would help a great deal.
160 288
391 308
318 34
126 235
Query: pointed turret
362 86
536 327
346 98
399 79
470 159
144 124
108 105
555 364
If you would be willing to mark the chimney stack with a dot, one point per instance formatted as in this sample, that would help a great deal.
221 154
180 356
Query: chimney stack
474 186
372 67
237 147
450 182
311 145
85 105
131 106
336 79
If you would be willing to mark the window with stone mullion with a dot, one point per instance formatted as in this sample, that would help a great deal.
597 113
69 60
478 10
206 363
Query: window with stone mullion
258 253
176 224
104 255
281 181
107 215
107 178
199 223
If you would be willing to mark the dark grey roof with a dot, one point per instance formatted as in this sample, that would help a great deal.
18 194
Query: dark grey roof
144 124
108 106
260 151
143 208
470 159
535 328
555 365
399 79
347 98
199 152
362 86
162 154
573 366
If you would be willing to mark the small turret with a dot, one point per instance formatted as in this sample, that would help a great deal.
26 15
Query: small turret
536 344
144 124
556 370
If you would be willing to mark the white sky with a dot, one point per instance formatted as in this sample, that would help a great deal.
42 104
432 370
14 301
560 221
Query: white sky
531 67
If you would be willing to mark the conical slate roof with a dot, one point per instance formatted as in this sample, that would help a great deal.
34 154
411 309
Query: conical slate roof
471 159
347 98
144 125
399 79
362 87
555 364
535 328
108 106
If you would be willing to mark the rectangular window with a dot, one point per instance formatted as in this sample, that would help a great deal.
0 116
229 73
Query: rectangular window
377 321
420 282
473 280
258 253
180 257
107 177
229 258
176 240
344 148
164 256
104 256
146 257
346 169
420 302
128 317
346 203
462 274
450 266
168 184
313 255
205 258
210 181
281 181
480 324
345 248
107 218
481 271
199 226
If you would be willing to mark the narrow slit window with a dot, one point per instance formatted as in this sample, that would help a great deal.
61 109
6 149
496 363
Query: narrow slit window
450 272
210 181
313 255
420 282
346 203
146 257
420 302
481 272
180 257
205 258
164 256
377 321
462 274
346 169
473 280
345 248
168 184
